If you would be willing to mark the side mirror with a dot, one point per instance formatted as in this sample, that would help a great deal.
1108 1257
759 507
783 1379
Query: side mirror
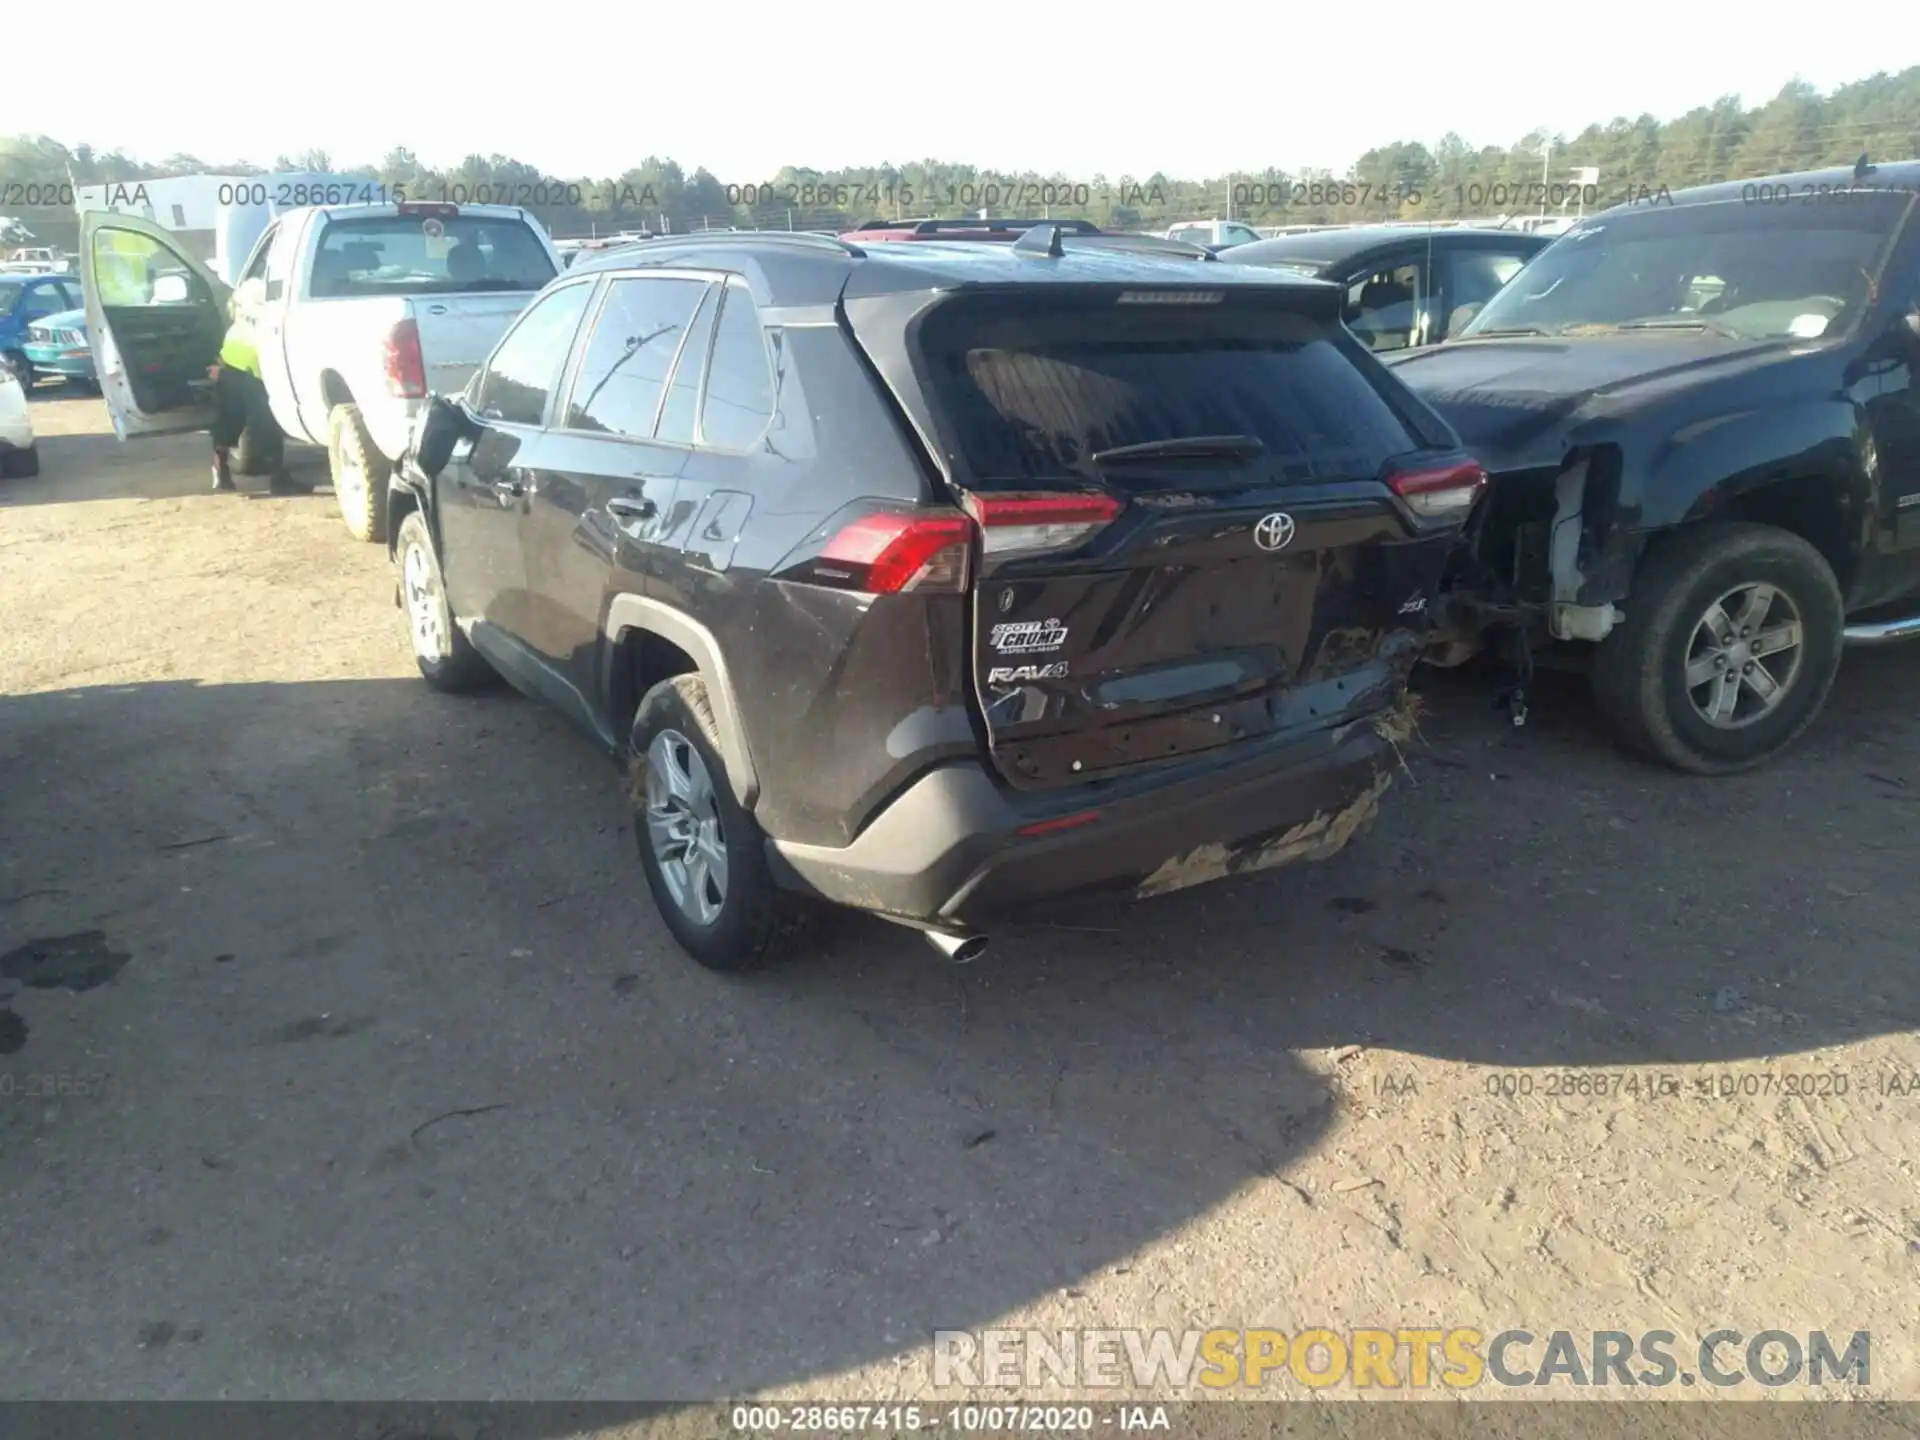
1910 324
171 290
444 425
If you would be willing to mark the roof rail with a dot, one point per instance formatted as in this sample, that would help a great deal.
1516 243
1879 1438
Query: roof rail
805 239
935 227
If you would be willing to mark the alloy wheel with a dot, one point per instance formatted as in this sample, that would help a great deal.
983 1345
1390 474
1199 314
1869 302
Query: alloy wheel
1744 656
684 828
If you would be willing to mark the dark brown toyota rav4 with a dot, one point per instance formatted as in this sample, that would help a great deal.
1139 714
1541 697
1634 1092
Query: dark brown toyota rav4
933 579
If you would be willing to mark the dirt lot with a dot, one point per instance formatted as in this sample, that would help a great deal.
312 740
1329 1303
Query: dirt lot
407 1093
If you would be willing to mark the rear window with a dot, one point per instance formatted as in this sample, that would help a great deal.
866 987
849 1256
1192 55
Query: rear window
390 254
1034 397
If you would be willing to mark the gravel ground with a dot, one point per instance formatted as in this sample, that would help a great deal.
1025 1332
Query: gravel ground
374 1075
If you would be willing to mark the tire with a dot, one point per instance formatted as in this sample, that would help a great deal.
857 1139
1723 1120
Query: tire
754 922
446 658
20 464
260 453
1639 676
360 473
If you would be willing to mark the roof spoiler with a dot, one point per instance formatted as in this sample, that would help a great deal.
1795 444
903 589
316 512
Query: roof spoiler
1045 240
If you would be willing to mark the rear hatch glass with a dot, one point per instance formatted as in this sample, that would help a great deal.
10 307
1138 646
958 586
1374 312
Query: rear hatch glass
1257 577
414 254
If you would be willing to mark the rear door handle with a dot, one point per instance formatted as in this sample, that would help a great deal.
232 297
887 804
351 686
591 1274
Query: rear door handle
632 507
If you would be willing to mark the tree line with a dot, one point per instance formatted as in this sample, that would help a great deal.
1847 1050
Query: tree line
1797 129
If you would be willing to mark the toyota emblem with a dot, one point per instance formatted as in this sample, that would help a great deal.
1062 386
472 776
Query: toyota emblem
1274 532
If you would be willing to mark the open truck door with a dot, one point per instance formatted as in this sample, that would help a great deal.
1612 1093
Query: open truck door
158 317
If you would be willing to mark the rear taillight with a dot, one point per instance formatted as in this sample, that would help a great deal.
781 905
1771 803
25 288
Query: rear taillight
406 371
892 554
1030 524
1440 491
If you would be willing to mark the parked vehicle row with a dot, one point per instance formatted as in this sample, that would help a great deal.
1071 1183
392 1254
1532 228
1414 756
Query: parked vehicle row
946 566
25 299
1406 286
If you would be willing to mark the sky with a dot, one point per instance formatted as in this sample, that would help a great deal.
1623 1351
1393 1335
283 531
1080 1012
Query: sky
1009 85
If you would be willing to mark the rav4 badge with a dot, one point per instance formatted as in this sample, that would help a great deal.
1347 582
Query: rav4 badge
1014 674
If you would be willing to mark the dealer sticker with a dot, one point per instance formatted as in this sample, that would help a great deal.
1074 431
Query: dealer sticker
1028 637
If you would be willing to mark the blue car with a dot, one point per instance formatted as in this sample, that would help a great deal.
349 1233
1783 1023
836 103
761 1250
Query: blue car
25 299
58 345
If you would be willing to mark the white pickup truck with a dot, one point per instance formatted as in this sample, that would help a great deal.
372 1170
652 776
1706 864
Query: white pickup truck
359 312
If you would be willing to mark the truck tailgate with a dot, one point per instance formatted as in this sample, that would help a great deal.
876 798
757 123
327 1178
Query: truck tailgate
458 332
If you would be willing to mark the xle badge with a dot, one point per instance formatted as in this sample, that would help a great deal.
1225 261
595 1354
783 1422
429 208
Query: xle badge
1014 674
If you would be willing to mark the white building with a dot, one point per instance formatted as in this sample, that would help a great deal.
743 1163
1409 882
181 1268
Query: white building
184 203
217 216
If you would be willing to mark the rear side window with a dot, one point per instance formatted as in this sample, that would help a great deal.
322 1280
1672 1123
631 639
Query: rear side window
523 371
1035 396
740 383
682 405
635 339
435 255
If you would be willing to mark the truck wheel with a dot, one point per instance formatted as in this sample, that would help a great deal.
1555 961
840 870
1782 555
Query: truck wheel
446 658
1728 651
260 453
360 473
704 855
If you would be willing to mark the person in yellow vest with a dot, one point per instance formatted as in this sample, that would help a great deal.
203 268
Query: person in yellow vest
240 396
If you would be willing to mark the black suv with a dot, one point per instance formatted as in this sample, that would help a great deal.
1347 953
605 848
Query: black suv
1702 419
934 578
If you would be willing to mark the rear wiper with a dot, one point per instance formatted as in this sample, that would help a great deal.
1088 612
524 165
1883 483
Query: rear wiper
1185 447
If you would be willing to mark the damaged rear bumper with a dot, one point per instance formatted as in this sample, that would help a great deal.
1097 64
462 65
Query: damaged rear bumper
956 847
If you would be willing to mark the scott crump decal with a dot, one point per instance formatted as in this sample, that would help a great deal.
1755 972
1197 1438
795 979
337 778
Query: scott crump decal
1013 675
1028 637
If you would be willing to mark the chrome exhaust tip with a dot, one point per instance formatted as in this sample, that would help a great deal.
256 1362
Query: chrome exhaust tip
960 948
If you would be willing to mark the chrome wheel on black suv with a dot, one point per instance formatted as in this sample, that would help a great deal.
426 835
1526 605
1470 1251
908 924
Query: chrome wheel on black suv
704 856
445 657
1728 650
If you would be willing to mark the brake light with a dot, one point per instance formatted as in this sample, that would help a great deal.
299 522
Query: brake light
406 370
1030 524
888 554
1442 490
444 210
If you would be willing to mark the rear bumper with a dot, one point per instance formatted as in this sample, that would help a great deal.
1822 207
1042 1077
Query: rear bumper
948 851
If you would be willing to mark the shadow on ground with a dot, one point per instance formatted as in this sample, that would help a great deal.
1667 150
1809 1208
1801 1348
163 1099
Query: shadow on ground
100 466
407 1093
